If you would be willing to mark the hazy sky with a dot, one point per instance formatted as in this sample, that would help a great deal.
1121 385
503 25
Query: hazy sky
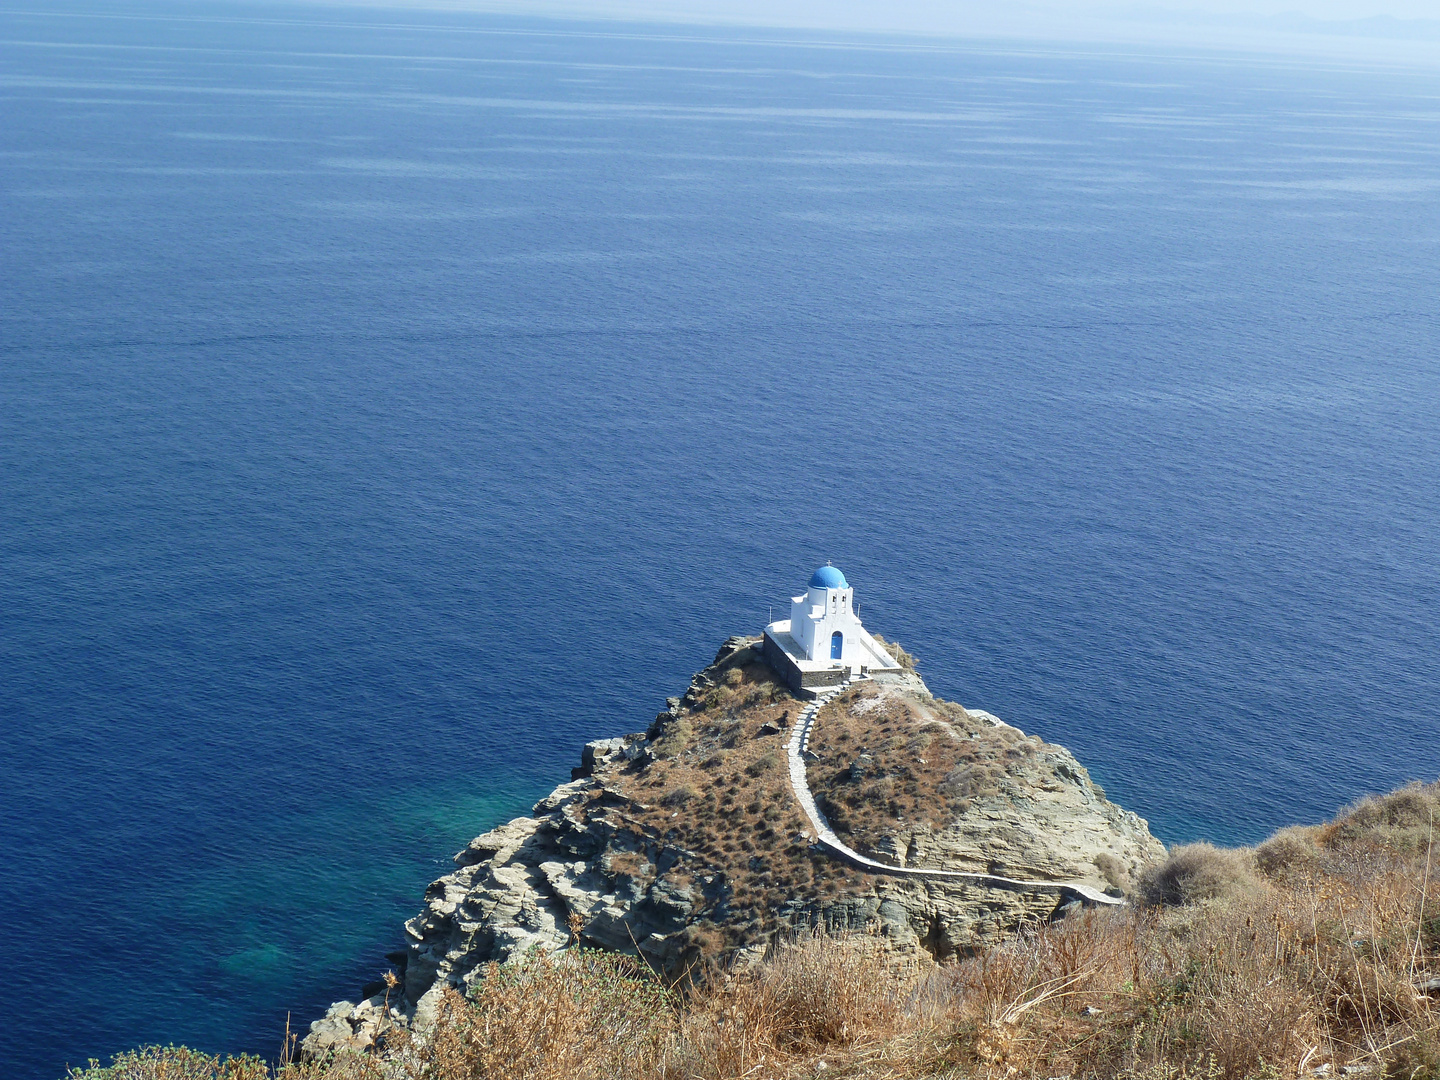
1410 26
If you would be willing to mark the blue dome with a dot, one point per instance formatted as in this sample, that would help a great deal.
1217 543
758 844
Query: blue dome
828 577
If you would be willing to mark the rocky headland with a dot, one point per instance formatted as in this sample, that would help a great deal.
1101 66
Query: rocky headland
686 845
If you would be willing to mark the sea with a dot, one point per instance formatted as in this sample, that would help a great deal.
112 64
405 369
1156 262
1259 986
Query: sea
392 401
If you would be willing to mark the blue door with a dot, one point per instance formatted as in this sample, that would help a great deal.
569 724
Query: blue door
837 645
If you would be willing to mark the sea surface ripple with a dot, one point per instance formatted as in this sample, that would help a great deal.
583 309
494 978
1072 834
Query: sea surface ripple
393 401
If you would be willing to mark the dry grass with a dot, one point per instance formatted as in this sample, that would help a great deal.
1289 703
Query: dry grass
895 649
1313 950
1317 962
888 764
720 791
592 1016
583 1016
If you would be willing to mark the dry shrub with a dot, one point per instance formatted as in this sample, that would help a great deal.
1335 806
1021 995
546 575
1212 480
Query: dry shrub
763 764
1113 871
971 781
1020 1008
1244 1024
760 693
1324 969
1323 972
1290 851
632 864
596 1017
581 1016
1402 821
676 736
1312 968
680 796
1136 993
1196 872
814 995
821 990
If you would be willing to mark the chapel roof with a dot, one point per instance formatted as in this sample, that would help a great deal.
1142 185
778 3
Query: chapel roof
828 577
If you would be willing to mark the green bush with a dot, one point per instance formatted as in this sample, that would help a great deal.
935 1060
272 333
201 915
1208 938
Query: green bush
1414 1059
172 1063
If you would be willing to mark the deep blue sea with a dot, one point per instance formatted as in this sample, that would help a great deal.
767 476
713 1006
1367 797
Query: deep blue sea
392 401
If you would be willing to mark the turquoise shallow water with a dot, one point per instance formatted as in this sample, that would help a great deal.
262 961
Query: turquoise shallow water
393 401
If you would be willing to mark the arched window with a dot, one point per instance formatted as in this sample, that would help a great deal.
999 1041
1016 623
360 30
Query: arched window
837 645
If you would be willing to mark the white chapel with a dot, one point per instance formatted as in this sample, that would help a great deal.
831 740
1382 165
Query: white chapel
823 642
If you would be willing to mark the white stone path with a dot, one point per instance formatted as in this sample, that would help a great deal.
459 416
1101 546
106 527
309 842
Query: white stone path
795 749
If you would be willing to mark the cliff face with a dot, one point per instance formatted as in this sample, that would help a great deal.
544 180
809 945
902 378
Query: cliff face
685 843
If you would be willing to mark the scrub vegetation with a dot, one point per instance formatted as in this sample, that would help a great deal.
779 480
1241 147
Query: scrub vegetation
884 763
719 787
1317 952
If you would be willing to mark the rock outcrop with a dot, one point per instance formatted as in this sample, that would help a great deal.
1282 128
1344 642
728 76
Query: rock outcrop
684 844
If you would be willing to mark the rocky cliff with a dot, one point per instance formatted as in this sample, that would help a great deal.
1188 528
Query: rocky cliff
684 844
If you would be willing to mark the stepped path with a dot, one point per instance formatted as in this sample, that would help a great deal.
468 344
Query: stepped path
795 749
